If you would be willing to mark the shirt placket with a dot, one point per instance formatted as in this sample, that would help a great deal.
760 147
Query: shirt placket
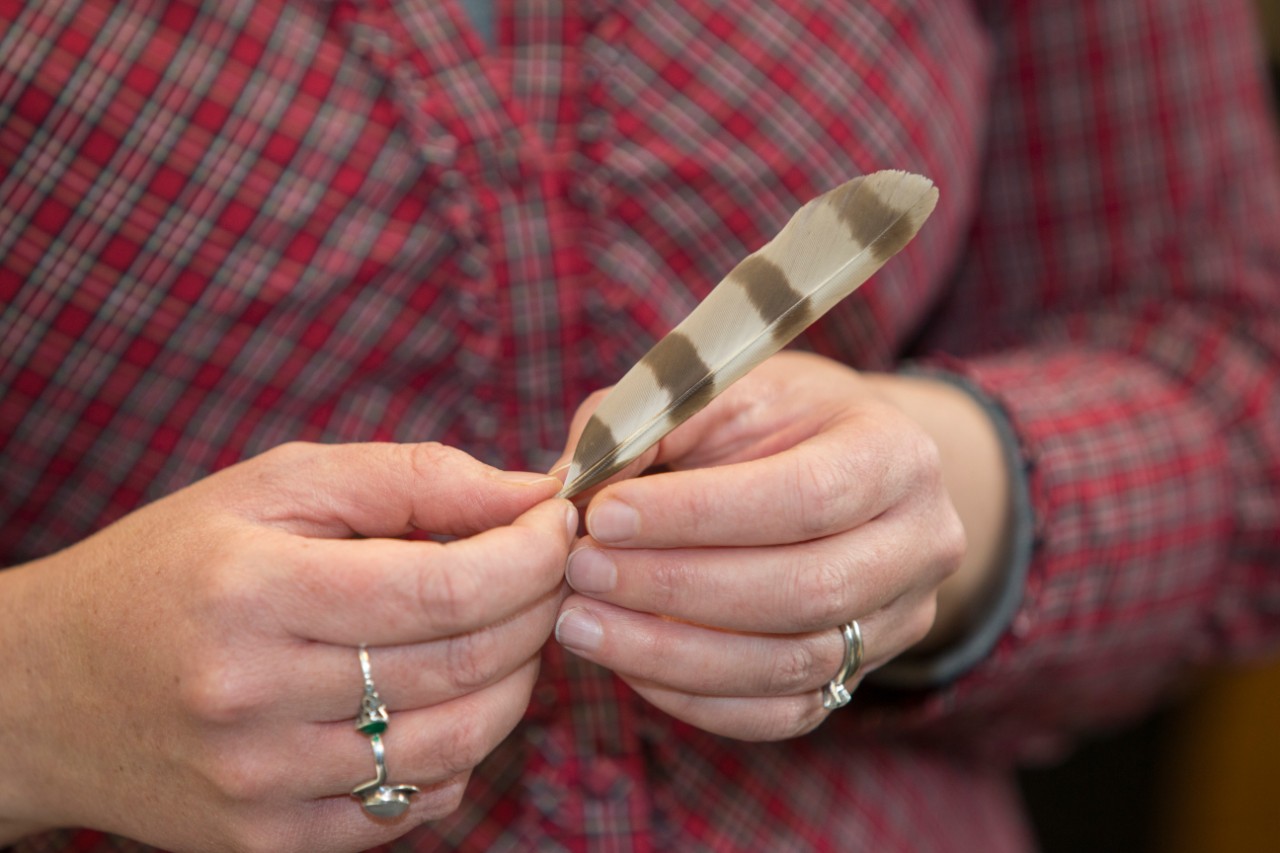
501 189
459 127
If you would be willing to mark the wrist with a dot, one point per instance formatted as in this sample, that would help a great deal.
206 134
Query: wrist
24 701
977 477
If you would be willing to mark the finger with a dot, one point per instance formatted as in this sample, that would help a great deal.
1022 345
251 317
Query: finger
340 823
710 662
743 718
335 823
424 746
328 681
784 589
394 592
378 489
832 481
695 659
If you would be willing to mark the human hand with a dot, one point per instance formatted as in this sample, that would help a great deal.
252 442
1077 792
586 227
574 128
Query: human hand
795 502
189 675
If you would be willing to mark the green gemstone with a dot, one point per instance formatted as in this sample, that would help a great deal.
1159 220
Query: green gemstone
373 727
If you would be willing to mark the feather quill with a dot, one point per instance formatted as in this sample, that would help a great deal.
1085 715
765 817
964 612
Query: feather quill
829 247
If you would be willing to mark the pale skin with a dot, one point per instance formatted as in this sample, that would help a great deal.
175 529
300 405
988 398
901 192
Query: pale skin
188 676
805 496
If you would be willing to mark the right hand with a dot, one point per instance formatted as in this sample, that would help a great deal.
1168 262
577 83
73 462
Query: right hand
189 677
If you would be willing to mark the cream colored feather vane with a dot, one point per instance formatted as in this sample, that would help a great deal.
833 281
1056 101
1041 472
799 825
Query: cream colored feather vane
830 247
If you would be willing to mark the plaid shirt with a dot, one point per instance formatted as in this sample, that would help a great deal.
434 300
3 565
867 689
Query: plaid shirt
226 225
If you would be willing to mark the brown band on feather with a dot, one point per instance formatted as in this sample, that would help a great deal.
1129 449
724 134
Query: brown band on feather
795 321
871 222
772 295
597 440
678 368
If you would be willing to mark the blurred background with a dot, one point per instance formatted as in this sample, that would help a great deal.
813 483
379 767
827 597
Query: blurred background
1202 775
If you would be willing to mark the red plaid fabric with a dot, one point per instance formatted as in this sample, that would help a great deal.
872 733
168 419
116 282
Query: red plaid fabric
227 225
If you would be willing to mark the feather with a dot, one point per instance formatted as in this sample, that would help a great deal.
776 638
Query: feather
830 247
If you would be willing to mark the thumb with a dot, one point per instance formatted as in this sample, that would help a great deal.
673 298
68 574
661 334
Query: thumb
378 490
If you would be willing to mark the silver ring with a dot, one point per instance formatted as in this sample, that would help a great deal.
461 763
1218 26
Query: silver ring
835 694
372 719
376 796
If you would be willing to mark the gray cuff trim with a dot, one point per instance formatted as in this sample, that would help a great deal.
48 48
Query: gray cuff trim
946 665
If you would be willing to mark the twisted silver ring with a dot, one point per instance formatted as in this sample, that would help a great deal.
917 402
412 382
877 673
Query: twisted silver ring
376 796
835 694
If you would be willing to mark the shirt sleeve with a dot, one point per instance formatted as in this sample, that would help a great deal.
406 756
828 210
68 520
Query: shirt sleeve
1120 303
994 616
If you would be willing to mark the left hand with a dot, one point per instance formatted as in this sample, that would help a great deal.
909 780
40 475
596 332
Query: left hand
796 501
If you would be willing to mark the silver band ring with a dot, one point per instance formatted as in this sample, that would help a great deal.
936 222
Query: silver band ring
376 796
835 694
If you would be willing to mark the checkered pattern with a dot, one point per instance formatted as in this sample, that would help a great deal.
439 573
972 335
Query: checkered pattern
230 224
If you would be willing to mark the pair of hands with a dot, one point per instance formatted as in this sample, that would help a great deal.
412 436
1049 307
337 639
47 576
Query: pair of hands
188 676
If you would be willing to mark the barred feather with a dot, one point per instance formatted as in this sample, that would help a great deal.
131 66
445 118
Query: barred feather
831 246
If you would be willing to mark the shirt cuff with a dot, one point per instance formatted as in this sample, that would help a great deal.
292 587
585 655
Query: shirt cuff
945 665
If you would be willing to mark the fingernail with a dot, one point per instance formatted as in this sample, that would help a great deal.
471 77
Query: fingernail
613 521
578 630
524 478
571 521
589 570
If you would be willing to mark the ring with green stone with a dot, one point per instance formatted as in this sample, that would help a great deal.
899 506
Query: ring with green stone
378 798
372 719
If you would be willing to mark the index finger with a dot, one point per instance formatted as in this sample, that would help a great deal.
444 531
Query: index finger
830 482
394 592
376 489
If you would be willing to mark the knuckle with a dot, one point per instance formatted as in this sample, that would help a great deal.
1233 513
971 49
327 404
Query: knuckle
218 692
473 660
807 717
793 670
652 655
465 747
275 471
789 718
953 543
233 586
921 621
822 592
453 795
445 799
823 492
924 455
288 456
424 459
700 507
913 451
447 596
669 583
